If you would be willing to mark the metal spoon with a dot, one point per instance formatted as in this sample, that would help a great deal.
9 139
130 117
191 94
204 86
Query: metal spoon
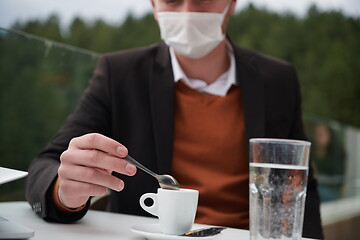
165 181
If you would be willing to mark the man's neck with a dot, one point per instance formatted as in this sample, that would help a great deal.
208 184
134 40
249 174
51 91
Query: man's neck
208 68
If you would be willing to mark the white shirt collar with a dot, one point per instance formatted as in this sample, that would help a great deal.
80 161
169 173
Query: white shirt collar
221 85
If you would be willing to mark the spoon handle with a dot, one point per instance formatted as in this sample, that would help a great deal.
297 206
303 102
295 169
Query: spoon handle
129 159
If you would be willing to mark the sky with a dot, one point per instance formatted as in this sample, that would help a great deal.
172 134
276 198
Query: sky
114 11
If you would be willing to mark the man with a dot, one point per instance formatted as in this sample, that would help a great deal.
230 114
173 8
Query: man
187 107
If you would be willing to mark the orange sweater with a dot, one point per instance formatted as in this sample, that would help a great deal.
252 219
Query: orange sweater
210 154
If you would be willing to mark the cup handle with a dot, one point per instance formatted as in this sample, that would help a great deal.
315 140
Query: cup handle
153 209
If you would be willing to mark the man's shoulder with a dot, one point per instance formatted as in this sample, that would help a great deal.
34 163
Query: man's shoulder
270 70
134 54
262 60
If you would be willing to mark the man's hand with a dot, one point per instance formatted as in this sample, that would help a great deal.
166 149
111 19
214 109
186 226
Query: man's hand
86 167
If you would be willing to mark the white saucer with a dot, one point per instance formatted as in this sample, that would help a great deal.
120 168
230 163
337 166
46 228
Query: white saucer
152 232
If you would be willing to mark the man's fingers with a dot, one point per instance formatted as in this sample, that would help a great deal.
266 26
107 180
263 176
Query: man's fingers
74 194
98 159
93 176
100 142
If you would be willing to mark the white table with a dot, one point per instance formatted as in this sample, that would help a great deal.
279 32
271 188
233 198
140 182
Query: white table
95 225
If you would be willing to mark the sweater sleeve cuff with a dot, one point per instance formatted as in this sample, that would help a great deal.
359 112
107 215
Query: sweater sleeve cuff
59 205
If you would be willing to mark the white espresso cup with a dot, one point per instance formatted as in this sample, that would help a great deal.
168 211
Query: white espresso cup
176 209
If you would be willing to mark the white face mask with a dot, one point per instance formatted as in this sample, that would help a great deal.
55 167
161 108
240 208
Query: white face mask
192 34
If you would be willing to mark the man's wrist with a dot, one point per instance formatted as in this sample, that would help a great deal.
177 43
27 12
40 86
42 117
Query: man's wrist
59 203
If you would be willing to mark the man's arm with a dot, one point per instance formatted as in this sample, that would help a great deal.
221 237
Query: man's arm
312 227
80 163
39 184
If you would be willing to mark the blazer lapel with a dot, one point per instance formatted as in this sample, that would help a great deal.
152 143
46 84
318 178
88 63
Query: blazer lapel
162 107
253 93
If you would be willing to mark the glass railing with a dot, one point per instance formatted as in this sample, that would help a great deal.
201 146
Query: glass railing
335 153
41 81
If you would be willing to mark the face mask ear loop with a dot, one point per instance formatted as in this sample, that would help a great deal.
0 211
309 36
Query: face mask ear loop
225 12
226 8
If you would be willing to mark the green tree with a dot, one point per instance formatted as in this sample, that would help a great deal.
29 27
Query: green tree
323 46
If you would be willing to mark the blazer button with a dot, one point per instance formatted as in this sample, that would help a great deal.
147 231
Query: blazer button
36 207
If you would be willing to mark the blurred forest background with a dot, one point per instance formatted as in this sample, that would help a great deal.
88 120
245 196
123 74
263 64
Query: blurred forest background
42 79
324 46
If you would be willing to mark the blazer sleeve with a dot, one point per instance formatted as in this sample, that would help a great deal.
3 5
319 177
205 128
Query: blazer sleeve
91 115
312 227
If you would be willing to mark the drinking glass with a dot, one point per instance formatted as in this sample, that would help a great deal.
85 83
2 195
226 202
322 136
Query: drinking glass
278 180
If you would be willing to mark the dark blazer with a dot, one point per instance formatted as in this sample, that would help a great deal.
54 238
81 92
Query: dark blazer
131 99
